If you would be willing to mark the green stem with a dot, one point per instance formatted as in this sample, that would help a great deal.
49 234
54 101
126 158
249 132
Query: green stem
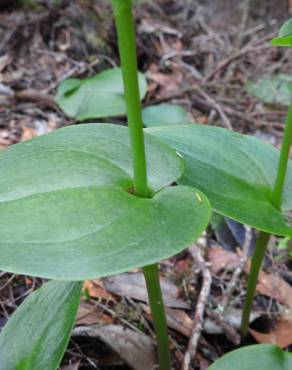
263 238
283 161
127 48
126 39
256 263
151 274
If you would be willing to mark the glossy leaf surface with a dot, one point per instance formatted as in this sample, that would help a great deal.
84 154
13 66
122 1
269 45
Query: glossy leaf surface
259 357
37 334
235 171
95 97
67 211
164 115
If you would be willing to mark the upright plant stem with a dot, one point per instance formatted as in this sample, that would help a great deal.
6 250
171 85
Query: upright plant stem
256 263
151 274
127 48
263 238
283 162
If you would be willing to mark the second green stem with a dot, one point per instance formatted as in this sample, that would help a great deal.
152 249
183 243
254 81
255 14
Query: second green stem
263 238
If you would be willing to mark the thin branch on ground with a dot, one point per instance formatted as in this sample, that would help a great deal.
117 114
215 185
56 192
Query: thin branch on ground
200 309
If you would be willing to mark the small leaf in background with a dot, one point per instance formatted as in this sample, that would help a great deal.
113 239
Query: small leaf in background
257 357
274 90
285 244
285 35
95 97
164 115
38 332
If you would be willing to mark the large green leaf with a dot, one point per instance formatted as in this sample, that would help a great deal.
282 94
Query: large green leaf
257 357
82 156
95 97
85 233
67 211
235 171
36 336
164 115
276 89
285 35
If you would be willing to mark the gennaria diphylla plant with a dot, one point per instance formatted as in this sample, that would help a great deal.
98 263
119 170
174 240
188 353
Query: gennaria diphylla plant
94 200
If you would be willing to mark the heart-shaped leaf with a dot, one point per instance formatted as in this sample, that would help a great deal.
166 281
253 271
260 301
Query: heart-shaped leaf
164 115
38 332
235 171
95 97
285 35
259 357
67 211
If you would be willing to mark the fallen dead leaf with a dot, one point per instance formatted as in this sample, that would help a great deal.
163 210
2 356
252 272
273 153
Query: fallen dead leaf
133 285
167 83
280 335
28 133
89 314
221 258
275 287
135 348
177 320
95 289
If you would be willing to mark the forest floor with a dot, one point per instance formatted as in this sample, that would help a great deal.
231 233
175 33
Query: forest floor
200 55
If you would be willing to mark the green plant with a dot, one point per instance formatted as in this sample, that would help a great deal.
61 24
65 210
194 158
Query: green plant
273 90
94 200
261 356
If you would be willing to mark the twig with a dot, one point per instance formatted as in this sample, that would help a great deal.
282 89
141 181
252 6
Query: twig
216 106
229 331
202 300
36 96
237 54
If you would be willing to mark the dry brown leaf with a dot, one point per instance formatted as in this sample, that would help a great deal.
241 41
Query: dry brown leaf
177 320
275 287
221 258
28 133
89 314
280 335
96 290
168 83
135 348
133 285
